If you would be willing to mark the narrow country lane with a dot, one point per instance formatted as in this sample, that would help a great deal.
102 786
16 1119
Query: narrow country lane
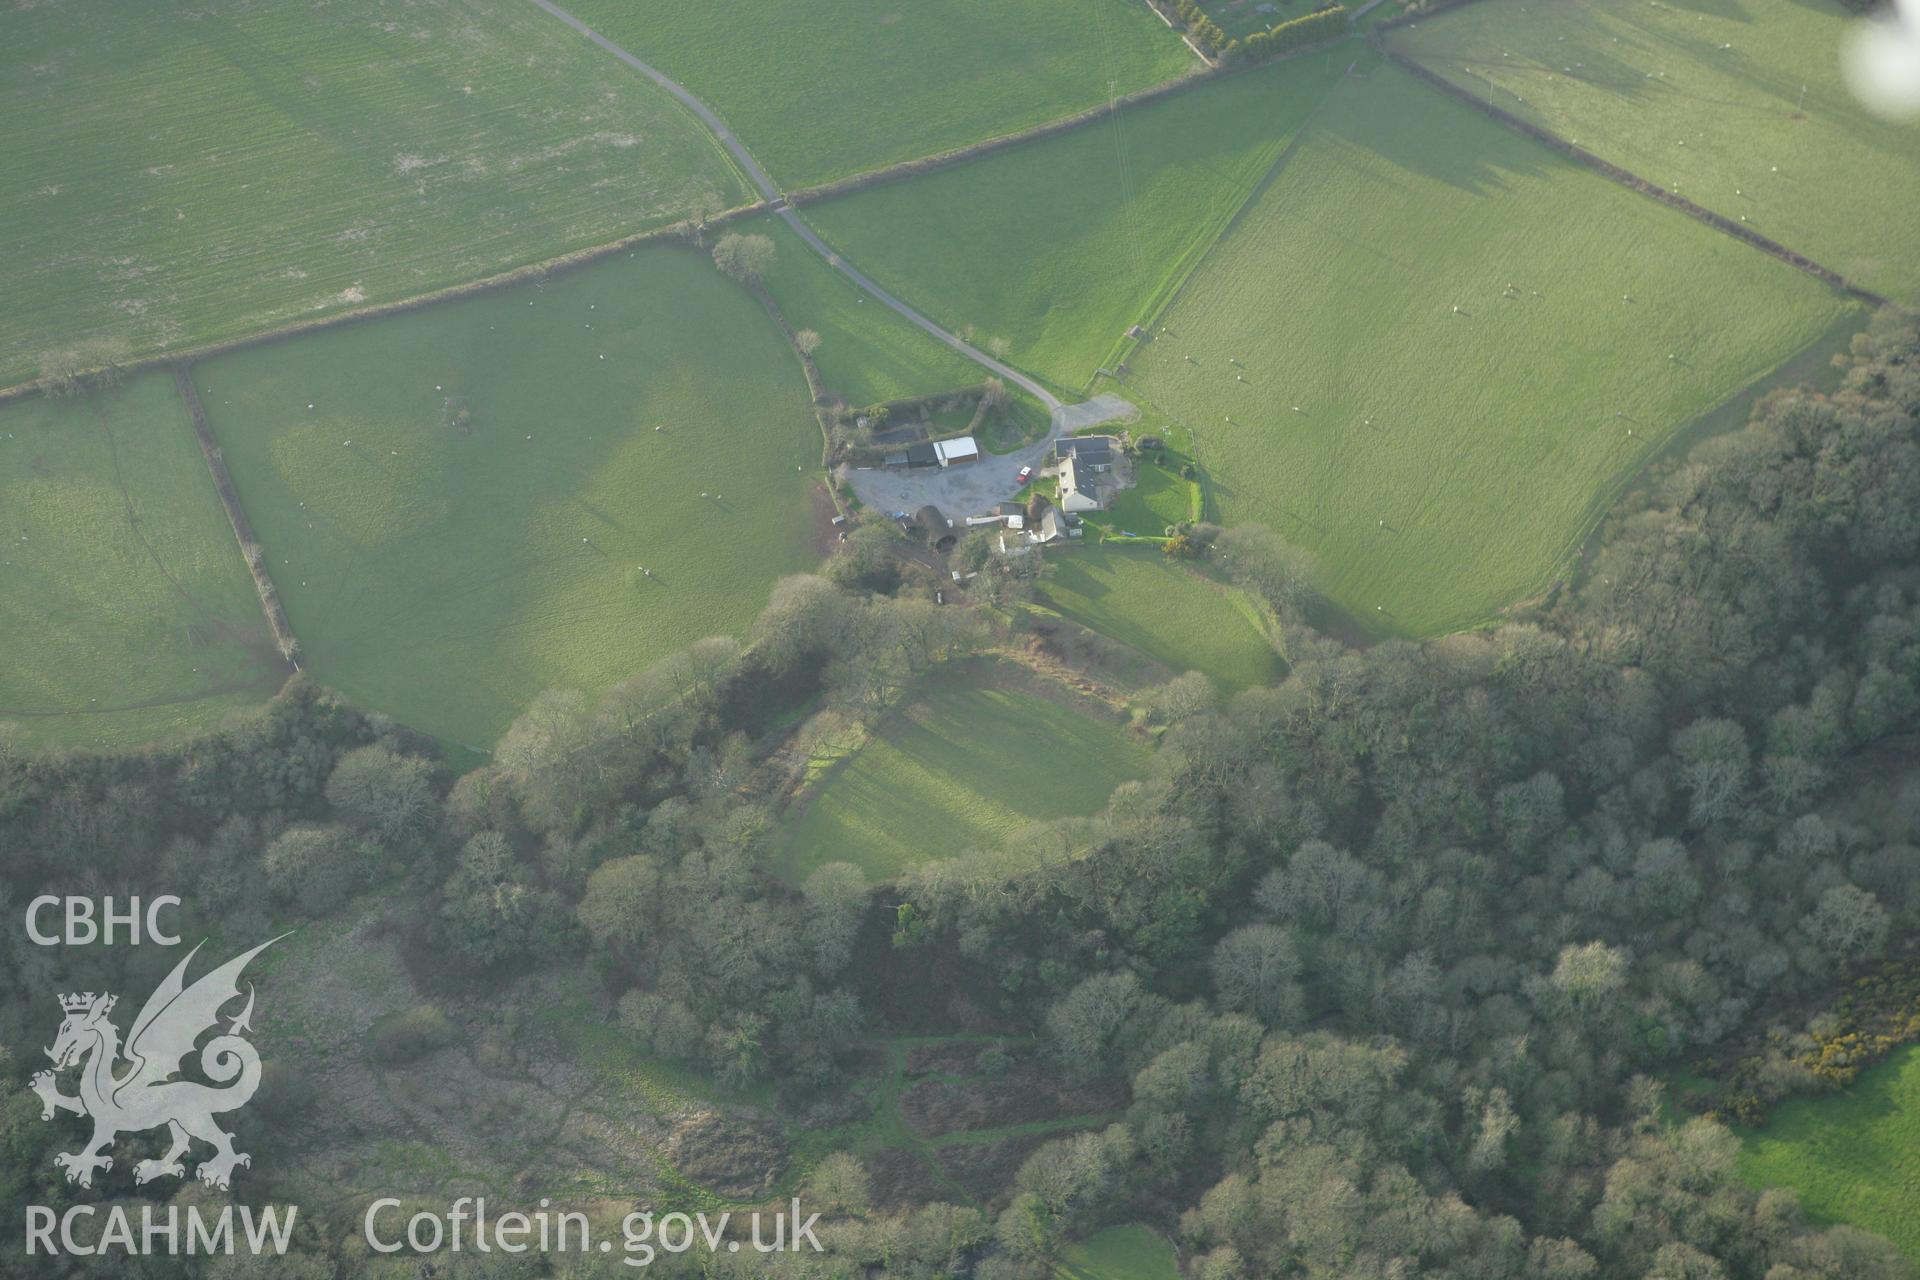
771 194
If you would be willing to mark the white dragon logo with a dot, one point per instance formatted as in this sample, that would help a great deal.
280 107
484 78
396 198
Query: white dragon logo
147 1096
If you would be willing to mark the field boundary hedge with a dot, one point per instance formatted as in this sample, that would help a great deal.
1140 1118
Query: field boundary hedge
816 389
858 182
251 552
399 306
1128 347
1186 38
1625 177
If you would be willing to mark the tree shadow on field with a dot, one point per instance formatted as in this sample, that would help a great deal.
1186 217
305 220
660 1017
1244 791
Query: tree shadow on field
1422 131
1591 52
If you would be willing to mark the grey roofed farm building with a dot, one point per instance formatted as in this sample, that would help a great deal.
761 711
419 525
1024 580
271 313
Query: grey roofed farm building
1095 452
921 455
1079 488
1055 526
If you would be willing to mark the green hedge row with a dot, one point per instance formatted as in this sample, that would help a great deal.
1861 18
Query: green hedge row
1296 33
1205 31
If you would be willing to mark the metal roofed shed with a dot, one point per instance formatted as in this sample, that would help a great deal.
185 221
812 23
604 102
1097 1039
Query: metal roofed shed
957 450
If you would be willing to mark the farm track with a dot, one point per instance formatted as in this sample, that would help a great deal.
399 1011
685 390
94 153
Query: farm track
886 174
780 205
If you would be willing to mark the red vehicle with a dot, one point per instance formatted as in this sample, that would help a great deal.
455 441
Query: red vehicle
1026 474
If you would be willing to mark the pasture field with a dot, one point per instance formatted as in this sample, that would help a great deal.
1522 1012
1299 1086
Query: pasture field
1854 1156
173 174
954 770
868 352
821 90
1059 246
1119 1253
1707 99
445 570
126 612
1453 346
1173 613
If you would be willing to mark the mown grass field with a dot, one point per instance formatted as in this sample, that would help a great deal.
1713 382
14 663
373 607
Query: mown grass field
445 577
1453 347
126 613
821 90
1853 1157
1708 99
172 174
1171 612
1119 1253
1060 246
973 757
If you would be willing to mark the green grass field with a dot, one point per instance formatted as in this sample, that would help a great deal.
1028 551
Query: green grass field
445 577
1708 99
821 90
1171 612
172 174
126 613
1853 1157
1160 496
1445 336
955 770
1119 1253
868 353
1060 246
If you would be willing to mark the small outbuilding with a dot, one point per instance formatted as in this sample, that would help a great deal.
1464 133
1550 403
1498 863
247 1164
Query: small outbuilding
922 455
939 529
1055 526
958 450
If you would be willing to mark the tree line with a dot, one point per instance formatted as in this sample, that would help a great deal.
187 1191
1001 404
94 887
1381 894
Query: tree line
1390 957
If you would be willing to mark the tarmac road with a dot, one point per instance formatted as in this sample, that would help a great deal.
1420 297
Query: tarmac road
762 180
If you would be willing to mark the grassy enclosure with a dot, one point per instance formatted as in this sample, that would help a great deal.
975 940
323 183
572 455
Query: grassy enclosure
821 90
1059 246
1853 1157
1241 18
126 613
1432 349
973 757
174 174
1159 497
1119 1253
868 353
1741 108
459 502
1172 612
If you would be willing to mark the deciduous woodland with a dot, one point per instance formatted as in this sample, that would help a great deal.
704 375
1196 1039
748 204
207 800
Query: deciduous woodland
1388 965
1098 639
